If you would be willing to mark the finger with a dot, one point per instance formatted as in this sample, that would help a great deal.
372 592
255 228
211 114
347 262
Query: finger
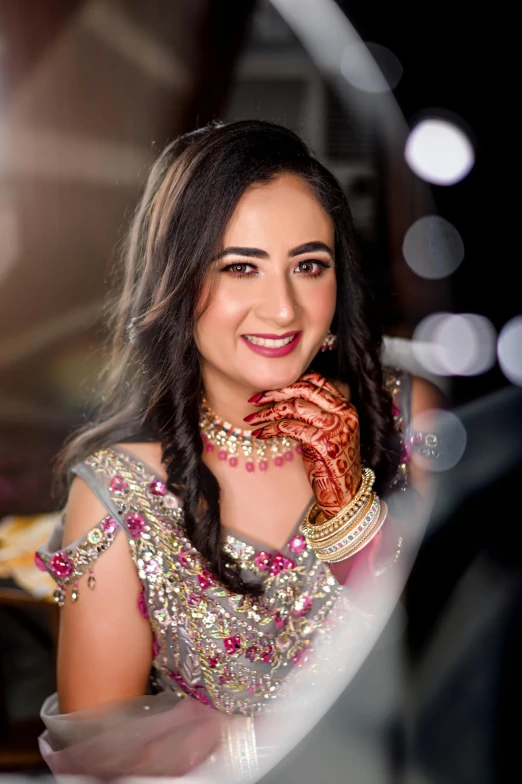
303 434
299 409
306 391
320 381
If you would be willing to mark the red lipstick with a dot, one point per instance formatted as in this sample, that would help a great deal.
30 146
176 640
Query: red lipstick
268 351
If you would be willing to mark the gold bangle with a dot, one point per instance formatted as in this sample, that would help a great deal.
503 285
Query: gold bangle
344 529
352 536
350 551
316 533
316 530
366 484
353 530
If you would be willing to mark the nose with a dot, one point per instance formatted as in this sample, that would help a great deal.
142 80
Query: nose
278 302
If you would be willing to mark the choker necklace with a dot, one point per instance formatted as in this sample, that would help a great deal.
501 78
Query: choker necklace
232 443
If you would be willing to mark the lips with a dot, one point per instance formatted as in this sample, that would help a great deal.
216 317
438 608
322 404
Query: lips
269 345
270 336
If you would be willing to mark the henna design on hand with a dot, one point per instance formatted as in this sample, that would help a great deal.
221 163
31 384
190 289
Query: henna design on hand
315 414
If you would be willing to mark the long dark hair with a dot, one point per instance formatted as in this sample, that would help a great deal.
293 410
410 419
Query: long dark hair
155 381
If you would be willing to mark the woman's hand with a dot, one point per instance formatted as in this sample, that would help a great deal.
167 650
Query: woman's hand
315 414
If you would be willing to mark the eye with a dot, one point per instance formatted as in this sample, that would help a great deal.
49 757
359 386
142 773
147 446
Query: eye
312 268
240 269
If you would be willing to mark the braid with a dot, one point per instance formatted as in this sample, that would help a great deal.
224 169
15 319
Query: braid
178 420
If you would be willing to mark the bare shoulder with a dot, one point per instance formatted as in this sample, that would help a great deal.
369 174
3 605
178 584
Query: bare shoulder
105 618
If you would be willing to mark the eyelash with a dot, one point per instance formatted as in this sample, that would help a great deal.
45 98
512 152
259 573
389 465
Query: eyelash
323 265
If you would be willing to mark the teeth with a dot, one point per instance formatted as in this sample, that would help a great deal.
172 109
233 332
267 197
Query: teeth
268 342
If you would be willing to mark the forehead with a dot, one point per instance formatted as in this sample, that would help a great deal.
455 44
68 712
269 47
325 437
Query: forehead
284 210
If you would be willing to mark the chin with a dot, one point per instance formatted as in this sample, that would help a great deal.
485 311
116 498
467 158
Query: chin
275 378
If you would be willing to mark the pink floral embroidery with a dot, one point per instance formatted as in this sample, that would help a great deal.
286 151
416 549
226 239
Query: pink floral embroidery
267 654
251 652
151 567
197 692
118 484
142 604
109 525
232 644
170 501
184 560
279 620
303 605
60 565
205 580
405 452
280 562
157 487
262 561
297 544
136 524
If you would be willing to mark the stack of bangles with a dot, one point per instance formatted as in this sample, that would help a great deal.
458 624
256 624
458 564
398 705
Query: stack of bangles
351 529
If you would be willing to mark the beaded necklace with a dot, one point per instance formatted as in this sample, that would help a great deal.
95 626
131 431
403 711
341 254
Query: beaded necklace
232 443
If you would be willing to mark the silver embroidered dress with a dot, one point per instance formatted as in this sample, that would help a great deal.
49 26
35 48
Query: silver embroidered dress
225 650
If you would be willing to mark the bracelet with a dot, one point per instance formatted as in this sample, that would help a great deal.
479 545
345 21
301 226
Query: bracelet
353 547
348 552
354 534
346 528
310 528
311 520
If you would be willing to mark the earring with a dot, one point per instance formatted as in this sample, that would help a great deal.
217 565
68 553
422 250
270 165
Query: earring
328 342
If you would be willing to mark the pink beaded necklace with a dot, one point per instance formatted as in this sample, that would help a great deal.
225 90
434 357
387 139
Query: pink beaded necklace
232 443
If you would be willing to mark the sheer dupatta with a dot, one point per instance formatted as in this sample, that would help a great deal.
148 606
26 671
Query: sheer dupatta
157 735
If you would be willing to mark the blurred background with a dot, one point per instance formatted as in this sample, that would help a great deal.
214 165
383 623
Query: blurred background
90 92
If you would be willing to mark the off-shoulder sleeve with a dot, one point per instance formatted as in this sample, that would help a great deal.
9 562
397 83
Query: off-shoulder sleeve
67 564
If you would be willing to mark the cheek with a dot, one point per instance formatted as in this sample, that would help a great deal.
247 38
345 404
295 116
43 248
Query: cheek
223 314
320 303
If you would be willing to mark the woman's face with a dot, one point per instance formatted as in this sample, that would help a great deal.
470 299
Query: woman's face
272 299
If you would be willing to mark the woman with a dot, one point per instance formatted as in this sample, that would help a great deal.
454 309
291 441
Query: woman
245 393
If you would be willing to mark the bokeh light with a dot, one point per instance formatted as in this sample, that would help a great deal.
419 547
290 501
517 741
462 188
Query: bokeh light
451 439
357 68
509 350
460 344
439 152
432 247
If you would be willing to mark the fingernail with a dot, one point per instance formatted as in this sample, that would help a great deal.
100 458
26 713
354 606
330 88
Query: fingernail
255 433
249 417
255 398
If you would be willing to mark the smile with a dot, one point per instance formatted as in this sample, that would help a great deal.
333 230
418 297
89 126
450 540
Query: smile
272 345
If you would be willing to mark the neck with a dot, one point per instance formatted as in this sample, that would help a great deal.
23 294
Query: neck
227 399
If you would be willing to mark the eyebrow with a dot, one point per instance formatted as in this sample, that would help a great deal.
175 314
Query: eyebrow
257 253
